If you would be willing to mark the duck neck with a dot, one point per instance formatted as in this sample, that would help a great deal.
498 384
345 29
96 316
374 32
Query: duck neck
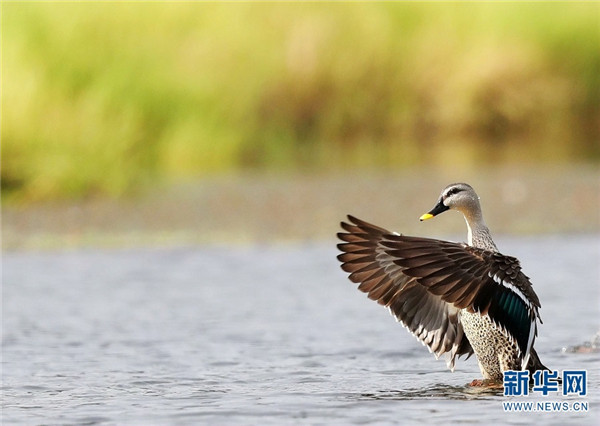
478 234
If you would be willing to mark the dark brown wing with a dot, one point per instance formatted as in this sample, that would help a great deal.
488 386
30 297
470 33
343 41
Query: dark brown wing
478 280
426 315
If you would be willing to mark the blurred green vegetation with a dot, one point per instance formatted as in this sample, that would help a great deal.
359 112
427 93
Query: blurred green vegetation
103 98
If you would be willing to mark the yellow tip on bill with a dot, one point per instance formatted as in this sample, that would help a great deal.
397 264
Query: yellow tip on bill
426 216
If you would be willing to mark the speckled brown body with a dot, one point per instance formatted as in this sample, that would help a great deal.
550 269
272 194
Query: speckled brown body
495 352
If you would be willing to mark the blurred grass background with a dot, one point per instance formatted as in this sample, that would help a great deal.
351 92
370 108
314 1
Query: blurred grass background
106 99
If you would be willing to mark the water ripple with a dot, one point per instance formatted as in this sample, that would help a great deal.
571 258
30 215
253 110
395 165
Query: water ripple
182 337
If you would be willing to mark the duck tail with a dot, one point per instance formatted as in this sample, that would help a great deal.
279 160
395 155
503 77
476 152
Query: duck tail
534 363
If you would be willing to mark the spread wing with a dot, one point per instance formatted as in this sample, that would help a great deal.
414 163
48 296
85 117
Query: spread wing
478 280
431 319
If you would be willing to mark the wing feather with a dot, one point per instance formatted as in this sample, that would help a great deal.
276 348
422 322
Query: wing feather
433 321
478 280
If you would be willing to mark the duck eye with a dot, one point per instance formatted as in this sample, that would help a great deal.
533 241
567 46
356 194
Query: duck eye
453 191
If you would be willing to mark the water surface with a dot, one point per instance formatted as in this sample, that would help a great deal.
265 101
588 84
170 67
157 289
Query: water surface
257 334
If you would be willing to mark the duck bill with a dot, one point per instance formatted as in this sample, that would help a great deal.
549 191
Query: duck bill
439 208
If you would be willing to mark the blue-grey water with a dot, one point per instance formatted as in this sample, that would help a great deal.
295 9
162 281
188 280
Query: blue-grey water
265 334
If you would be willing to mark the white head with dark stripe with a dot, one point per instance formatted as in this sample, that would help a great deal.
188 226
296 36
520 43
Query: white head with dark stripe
461 197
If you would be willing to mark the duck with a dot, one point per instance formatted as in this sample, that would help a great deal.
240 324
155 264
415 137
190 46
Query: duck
458 299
